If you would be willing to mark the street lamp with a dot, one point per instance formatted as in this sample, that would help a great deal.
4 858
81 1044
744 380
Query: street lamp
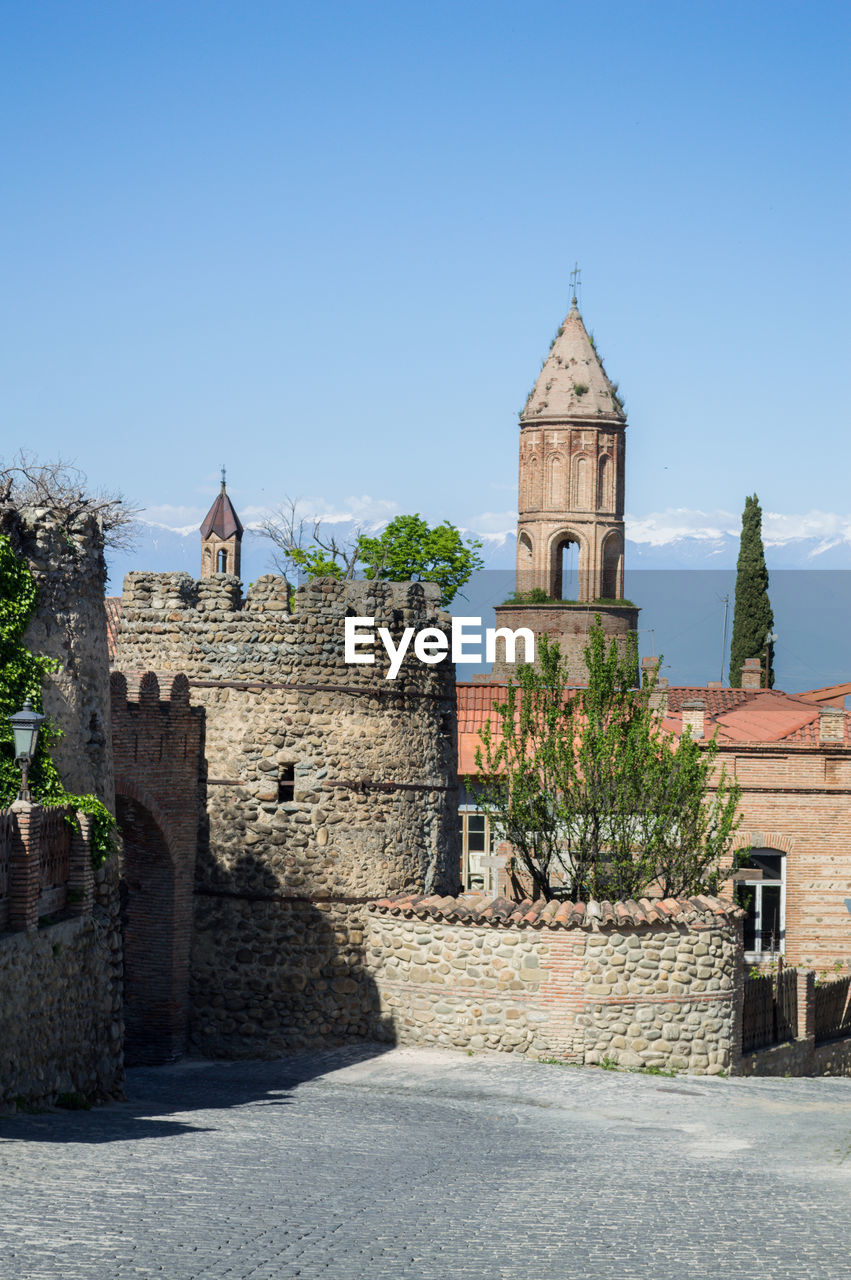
25 726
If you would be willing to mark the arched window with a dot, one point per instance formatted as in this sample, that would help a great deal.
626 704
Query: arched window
580 497
525 562
611 578
565 568
530 483
222 561
554 500
763 897
604 484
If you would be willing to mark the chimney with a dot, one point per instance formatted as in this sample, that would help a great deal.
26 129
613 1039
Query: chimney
694 717
831 724
659 700
714 684
751 673
649 668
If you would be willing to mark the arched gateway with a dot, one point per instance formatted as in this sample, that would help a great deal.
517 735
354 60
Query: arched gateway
158 753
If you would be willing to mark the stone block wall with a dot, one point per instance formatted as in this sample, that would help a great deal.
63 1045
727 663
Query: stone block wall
276 976
61 1025
326 783
640 985
69 625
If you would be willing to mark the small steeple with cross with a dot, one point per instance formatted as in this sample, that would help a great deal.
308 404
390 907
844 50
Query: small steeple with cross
576 281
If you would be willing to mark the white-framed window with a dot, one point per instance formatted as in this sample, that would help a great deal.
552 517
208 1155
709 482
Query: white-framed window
763 897
476 841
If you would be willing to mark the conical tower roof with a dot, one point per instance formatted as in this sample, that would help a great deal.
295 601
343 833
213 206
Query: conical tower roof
573 383
221 519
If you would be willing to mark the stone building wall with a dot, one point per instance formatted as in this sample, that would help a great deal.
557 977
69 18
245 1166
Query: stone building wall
69 624
61 1024
639 985
327 785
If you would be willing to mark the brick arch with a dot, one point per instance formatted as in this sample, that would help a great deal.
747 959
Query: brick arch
767 840
558 541
129 789
158 752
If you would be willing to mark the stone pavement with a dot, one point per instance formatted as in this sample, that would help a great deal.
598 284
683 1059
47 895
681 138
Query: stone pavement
423 1164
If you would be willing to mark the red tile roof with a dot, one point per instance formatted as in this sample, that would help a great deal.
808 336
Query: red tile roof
736 715
483 909
716 701
832 694
766 717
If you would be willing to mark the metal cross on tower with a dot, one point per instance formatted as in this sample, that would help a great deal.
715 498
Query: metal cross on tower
575 279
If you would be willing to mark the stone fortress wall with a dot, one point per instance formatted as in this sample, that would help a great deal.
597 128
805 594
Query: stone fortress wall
327 785
61 979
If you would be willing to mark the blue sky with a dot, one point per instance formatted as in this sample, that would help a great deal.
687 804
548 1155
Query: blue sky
329 245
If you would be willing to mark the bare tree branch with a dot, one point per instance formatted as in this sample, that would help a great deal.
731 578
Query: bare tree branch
301 553
63 488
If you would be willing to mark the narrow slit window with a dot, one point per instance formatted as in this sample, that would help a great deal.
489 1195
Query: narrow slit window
286 783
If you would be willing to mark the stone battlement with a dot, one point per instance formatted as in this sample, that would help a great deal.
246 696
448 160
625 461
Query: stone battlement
171 622
146 593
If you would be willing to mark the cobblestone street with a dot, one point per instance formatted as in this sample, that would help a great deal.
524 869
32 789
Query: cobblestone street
426 1164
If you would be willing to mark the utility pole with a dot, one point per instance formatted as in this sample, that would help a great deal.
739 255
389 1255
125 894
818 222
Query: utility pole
725 600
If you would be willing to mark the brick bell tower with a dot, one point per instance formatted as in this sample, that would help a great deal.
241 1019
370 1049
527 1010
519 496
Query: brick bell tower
570 529
221 537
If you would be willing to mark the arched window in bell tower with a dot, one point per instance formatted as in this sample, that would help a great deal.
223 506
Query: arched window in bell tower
580 483
525 563
565 568
611 583
554 499
222 561
604 484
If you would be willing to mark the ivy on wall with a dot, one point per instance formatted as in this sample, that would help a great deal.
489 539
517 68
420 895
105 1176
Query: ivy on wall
21 677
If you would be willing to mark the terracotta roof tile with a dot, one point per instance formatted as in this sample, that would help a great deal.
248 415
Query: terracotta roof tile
735 715
497 912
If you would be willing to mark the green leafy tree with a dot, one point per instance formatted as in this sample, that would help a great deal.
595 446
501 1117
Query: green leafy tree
753 619
594 798
409 548
21 676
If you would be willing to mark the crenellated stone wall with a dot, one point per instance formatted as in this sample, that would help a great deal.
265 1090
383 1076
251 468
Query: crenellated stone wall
327 784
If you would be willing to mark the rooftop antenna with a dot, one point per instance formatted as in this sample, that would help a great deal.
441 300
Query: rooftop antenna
575 283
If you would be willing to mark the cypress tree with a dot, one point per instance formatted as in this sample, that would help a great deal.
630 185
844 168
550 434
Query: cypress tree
752 618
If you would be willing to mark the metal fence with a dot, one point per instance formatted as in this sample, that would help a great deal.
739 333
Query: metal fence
833 1009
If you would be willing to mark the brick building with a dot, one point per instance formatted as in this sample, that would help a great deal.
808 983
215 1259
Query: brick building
792 759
